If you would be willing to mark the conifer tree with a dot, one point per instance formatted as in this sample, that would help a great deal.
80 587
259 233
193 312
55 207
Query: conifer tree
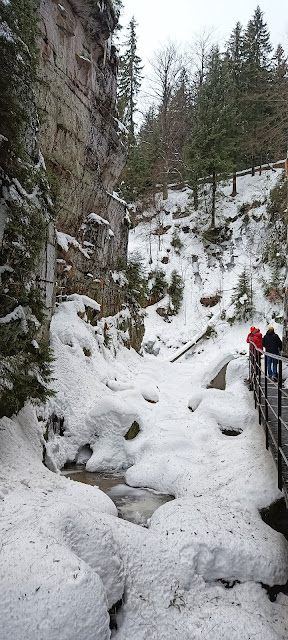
175 291
278 98
140 173
255 74
243 297
129 81
234 56
213 147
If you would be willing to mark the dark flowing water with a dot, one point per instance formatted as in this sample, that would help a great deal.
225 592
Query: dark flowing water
133 504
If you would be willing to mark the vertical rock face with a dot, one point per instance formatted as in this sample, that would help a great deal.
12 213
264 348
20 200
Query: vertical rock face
81 143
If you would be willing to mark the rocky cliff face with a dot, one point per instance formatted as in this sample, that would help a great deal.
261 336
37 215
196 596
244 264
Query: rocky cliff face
81 143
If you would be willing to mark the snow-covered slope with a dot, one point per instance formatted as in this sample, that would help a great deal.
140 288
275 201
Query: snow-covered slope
65 556
206 270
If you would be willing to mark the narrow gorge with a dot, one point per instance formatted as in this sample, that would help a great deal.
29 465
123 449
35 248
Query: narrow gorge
62 95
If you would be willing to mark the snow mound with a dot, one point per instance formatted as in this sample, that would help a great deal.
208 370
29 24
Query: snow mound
220 546
107 424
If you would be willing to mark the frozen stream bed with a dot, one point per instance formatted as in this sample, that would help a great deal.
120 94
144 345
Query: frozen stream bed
134 505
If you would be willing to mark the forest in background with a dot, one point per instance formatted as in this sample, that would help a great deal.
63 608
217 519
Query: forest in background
213 112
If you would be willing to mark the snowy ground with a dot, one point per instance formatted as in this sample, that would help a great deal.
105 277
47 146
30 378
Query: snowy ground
211 271
65 556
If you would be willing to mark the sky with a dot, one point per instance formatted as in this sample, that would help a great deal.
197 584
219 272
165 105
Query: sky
159 20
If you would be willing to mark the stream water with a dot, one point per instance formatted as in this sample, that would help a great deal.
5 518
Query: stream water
133 504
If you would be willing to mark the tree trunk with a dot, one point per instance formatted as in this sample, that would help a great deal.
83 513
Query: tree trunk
195 194
165 187
234 186
213 198
285 310
253 166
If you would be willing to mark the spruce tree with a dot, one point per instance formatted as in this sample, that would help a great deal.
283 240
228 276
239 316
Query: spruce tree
255 74
243 297
175 291
140 176
278 98
212 148
129 80
234 56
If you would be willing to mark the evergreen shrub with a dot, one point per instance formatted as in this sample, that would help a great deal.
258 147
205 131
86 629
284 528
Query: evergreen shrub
175 290
243 298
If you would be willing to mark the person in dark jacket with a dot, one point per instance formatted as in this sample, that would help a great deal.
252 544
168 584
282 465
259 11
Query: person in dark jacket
272 344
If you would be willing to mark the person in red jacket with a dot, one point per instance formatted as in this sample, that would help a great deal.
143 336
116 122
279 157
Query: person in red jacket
255 337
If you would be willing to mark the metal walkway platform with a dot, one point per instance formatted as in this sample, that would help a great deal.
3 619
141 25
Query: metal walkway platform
271 400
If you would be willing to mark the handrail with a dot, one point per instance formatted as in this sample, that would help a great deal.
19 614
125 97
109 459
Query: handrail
272 408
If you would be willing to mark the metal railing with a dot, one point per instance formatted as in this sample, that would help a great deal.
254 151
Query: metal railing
271 399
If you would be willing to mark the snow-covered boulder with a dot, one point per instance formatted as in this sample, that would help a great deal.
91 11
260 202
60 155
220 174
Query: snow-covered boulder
108 422
218 540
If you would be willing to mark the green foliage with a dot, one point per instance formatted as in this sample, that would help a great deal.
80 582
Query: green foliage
137 287
243 297
216 235
17 69
210 332
139 177
212 148
129 80
25 374
273 288
277 203
25 360
158 284
176 241
107 336
274 251
175 290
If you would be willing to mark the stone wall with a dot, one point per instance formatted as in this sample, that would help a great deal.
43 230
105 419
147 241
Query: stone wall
81 143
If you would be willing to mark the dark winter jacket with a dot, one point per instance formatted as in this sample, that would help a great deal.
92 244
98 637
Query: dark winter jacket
272 342
255 337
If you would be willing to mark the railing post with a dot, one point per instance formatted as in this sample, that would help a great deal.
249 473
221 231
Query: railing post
250 374
280 481
254 376
266 403
259 385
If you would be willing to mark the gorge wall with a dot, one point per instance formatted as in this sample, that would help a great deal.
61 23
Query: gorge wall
82 145
63 229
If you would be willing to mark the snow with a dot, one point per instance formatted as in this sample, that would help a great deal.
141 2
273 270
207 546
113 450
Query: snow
96 218
65 557
17 314
6 32
115 196
5 267
64 240
205 272
84 301
121 126
84 58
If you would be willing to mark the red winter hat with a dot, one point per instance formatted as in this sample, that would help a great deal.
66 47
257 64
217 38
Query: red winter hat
252 329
